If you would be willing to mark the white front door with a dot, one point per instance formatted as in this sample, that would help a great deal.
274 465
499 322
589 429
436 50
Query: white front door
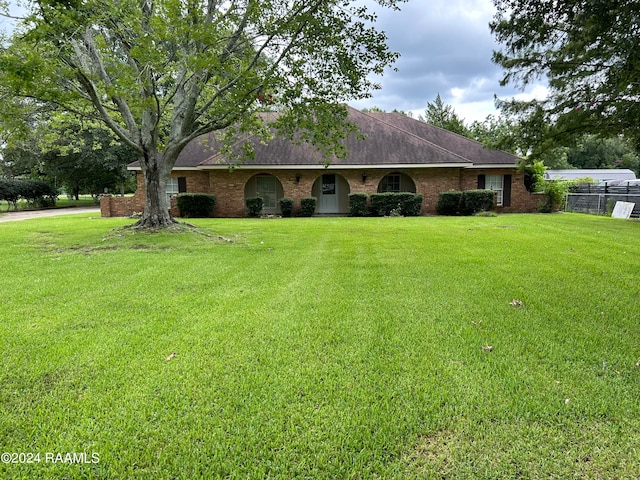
328 201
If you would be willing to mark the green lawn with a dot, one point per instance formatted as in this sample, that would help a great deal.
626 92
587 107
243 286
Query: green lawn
322 348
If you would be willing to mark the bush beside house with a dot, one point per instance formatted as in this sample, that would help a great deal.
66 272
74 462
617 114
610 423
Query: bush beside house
308 206
254 206
474 201
286 206
468 202
449 203
196 205
405 203
358 204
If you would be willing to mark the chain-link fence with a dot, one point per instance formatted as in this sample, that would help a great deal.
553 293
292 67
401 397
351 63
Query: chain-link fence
600 203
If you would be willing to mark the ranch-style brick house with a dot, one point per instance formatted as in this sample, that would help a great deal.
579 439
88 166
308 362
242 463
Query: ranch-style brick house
394 153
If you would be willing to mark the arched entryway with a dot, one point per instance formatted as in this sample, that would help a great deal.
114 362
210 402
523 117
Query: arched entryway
268 188
332 192
396 182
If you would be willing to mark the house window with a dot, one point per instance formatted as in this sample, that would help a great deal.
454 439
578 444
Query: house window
175 185
390 183
266 188
328 184
172 188
495 183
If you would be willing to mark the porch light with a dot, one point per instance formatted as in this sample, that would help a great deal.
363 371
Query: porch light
364 177
297 178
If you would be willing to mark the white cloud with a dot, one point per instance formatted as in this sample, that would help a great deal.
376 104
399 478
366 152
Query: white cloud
446 48
537 92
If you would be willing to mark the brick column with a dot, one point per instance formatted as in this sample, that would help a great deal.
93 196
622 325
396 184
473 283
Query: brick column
105 205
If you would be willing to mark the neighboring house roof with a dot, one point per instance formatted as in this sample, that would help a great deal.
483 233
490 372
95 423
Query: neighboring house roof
597 174
390 140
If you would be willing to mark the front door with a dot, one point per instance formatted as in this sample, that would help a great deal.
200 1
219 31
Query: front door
328 202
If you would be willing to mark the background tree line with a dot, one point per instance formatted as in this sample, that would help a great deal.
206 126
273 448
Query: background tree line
71 157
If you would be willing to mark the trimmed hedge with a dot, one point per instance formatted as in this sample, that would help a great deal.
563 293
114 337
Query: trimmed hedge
449 203
390 203
468 202
475 201
358 204
308 206
196 205
254 206
412 205
36 192
286 206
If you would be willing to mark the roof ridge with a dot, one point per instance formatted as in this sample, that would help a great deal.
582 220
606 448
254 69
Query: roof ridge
451 132
414 135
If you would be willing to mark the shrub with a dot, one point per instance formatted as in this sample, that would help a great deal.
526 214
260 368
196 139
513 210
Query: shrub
383 203
254 206
9 192
196 205
412 205
36 192
545 207
393 203
308 206
533 175
358 204
554 192
475 201
449 203
286 206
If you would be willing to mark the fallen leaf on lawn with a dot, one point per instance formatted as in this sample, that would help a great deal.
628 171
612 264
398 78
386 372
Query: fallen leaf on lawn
566 401
515 303
638 363
171 357
487 348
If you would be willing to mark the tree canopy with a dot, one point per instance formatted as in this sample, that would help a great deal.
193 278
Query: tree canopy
160 73
444 116
587 52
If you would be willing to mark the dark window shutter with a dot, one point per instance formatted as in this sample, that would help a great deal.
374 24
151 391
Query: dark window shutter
506 191
481 182
182 184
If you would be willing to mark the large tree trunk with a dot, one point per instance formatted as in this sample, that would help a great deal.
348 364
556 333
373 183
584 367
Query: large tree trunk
156 206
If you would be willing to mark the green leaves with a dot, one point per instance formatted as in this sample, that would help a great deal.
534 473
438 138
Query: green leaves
444 116
588 52
161 73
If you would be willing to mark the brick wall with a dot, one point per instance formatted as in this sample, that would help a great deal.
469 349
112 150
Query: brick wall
111 206
229 187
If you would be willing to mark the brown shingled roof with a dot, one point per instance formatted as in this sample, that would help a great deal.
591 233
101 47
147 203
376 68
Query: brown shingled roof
389 139
458 144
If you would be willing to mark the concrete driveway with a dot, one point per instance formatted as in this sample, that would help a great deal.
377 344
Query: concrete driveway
26 215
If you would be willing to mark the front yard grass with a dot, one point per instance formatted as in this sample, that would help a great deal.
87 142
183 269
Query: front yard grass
504 347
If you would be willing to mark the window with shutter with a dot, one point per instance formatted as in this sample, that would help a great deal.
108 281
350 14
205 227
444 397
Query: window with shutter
496 183
172 188
182 184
